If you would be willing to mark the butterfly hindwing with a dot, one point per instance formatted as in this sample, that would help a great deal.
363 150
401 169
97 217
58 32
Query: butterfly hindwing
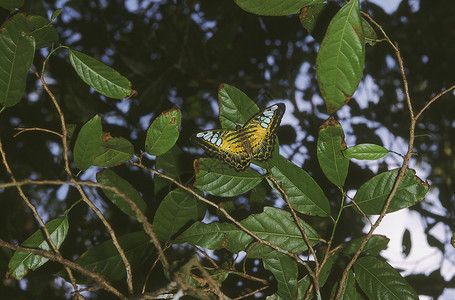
226 145
260 131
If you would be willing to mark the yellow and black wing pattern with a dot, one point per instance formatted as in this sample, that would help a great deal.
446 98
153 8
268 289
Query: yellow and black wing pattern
226 145
260 131
255 140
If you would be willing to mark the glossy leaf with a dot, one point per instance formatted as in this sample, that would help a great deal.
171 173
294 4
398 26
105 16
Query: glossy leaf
275 7
114 151
274 225
309 16
56 13
327 269
99 76
374 246
305 195
110 178
38 27
350 291
369 33
236 108
176 210
16 57
88 143
372 195
213 177
305 282
44 33
105 260
340 61
284 269
303 285
366 151
95 148
329 150
171 164
278 227
215 236
22 262
379 280
163 132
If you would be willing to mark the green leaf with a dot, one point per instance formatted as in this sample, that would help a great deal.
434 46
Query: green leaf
95 148
374 246
369 33
310 16
303 285
163 132
350 291
305 195
39 27
339 65
284 269
114 151
44 33
99 76
235 107
366 151
372 195
176 210
378 280
329 147
258 196
215 236
105 260
10 4
274 7
88 143
216 179
327 268
274 225
16 57
110 178
172 165
22 262
278 227
56 13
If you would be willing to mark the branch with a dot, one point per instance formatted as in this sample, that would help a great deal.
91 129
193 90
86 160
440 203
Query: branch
225 213
129 274
47 234
67 263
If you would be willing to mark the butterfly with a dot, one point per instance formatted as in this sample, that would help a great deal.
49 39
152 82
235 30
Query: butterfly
255 140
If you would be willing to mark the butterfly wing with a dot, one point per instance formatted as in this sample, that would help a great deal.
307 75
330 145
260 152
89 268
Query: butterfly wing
226 145
260 131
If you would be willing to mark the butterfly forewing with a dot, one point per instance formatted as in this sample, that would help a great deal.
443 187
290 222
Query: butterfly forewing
226 145
260 131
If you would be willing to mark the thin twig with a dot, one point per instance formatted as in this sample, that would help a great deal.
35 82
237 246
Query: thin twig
22 130
302 230
67 263
432 100
129 274
37 216
402 169
225 213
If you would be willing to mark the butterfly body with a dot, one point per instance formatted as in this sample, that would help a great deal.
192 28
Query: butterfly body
237 148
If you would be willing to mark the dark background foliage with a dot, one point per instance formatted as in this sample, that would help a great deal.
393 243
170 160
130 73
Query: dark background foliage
177 53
